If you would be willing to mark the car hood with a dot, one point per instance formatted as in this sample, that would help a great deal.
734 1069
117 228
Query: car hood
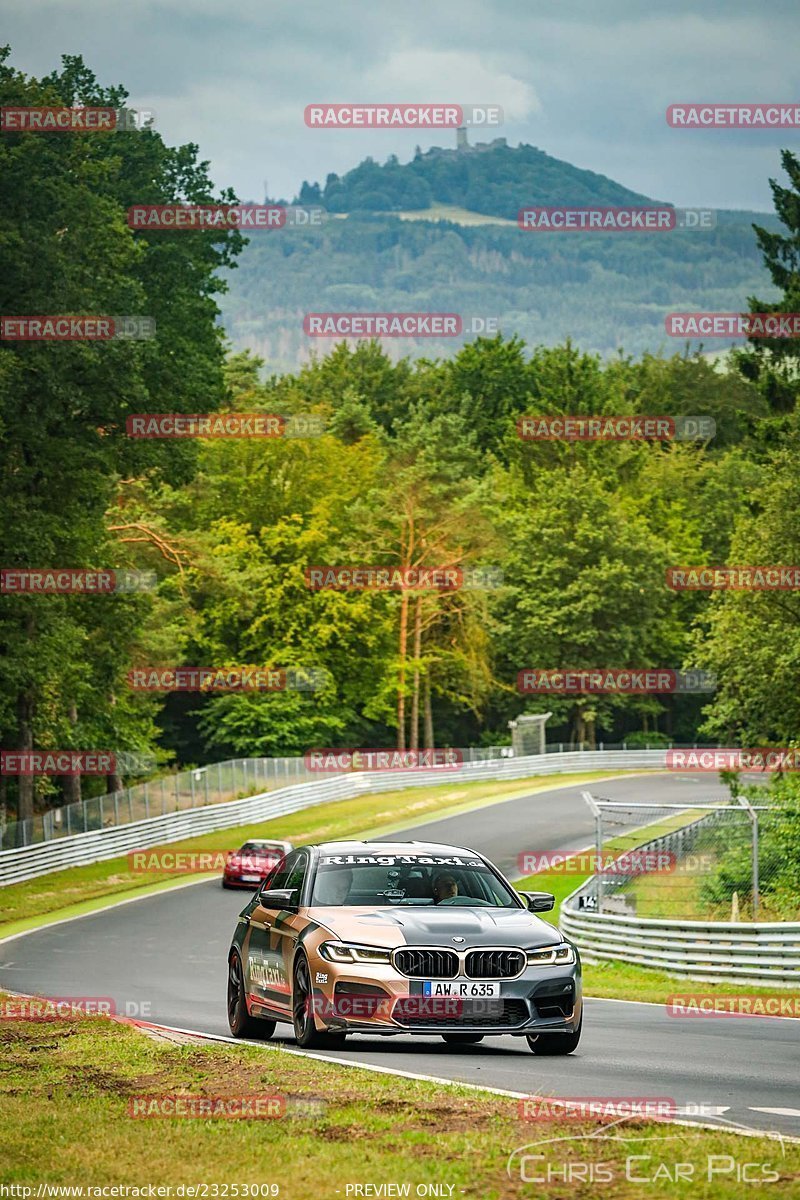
437 926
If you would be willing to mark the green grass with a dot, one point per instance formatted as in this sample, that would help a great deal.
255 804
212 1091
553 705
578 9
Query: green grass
454 213
82 889
66 1088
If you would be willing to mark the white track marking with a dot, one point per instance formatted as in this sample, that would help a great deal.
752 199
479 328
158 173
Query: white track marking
779 1112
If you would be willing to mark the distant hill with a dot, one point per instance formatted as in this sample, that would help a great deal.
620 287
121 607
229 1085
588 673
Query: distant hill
451 251
492 178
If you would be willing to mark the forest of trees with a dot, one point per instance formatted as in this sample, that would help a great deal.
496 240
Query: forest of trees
537 286
419 464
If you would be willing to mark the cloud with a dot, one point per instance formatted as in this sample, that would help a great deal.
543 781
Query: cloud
586 82
463 77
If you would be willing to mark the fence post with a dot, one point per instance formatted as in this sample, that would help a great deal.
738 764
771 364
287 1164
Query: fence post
756 881
597 813
753 815
191 788
598 837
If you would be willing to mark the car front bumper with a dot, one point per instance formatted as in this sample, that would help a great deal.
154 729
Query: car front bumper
377 999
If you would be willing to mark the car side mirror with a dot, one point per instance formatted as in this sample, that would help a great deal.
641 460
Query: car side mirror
278 898
539 901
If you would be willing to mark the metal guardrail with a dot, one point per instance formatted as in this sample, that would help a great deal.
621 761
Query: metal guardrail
762 953
195 787
98 845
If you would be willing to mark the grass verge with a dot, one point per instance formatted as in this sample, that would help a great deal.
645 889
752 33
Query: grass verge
80 889
67 1087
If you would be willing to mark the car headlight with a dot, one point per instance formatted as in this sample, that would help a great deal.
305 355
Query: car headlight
347 952
547 956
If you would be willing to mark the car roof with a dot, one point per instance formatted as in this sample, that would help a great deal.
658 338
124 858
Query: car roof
379 847
264 842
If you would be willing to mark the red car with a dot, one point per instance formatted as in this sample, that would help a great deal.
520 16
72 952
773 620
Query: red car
250 865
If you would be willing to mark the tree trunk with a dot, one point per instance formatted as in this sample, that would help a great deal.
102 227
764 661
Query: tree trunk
414 741
428 713
71 784
25 742
401 678
114 780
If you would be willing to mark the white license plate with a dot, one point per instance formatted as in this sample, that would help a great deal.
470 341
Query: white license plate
251 879
466 990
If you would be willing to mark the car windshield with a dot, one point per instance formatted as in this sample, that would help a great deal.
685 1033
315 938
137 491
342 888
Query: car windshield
260 848
409 879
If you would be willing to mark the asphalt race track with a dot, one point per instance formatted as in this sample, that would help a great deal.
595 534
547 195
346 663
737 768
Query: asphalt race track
166 955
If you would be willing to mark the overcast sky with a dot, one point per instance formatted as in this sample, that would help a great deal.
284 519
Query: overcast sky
586 81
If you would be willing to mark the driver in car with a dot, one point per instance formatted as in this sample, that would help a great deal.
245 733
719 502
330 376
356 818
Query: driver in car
444 888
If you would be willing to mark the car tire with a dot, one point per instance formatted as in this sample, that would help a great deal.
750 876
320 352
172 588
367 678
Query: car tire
462 1039
306 1033
555 1043
241 1023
